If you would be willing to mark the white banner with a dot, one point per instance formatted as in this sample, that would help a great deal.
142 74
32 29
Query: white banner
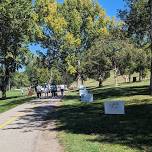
114 107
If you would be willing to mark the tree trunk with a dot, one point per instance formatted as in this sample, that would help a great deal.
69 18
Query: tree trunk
66 78
140 76
129 78
79 80
9 85
3 92
150 3
115 76
4 86
82 82
5 81
100 83
151 72
143 75
116 81
125 77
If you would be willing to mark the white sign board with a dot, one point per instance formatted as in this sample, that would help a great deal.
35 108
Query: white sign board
114 107
87 97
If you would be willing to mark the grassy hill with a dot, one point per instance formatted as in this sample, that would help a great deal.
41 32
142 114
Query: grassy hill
111 81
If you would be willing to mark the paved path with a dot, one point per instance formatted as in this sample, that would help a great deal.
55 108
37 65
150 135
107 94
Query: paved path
27 128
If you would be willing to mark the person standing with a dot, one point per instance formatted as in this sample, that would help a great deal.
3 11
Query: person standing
53 89
46 90
62 88
39 91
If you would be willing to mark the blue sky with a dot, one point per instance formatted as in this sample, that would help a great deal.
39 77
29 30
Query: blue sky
111 7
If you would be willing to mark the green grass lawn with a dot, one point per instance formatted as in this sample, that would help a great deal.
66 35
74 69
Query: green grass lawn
83 127
14 98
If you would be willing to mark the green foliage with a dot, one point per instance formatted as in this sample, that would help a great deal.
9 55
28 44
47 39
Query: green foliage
38 75
71 28
38 72
56 75
20 79
81 40
86 21
16 28
137 20
98 63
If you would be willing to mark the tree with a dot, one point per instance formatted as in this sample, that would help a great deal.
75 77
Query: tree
86 22
98 63
20 79
123 59
36 73
141 60
16 28
138 19
70 28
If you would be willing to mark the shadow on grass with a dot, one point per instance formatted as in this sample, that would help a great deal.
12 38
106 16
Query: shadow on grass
13 103
12 97
132 129
103 93
18 101
72 97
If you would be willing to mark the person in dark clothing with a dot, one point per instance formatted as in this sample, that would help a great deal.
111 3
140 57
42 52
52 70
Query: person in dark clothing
53 90
39 91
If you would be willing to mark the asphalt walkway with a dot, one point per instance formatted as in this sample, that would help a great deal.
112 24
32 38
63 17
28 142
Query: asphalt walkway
27 128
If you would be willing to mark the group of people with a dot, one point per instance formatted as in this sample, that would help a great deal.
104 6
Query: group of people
49 88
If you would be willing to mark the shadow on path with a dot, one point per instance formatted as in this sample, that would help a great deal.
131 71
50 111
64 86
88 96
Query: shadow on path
34 118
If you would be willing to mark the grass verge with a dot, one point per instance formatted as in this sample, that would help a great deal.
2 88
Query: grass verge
83 127
14 98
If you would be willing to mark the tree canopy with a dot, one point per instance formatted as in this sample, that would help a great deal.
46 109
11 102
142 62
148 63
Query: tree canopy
81 41
17 29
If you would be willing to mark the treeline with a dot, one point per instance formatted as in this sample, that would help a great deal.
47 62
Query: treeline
80 39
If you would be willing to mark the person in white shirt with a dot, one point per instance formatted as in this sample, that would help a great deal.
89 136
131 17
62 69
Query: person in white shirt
62 88
46 90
